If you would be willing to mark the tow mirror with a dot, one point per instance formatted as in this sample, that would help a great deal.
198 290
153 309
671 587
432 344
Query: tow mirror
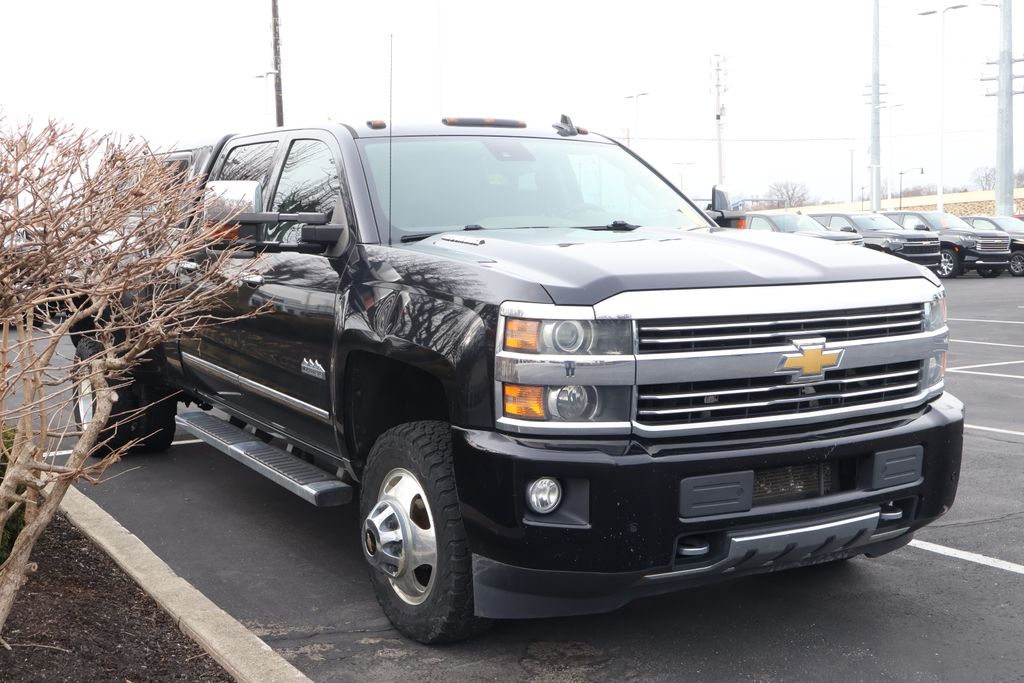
720 200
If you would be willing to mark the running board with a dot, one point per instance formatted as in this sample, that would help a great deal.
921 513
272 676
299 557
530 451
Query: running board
307 481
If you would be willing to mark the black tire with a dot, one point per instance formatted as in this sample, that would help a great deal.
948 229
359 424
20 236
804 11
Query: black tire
1017 264
989 271
949 264
445 614
154 427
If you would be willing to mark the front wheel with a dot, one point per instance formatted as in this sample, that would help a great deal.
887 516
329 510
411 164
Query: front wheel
1017 264
413 536
949 264
990 272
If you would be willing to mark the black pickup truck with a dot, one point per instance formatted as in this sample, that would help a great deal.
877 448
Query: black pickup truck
551 383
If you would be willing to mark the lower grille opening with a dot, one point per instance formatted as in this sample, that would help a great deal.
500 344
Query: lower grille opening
800 482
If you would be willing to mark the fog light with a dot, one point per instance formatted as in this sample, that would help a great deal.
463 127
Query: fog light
544 495
572 403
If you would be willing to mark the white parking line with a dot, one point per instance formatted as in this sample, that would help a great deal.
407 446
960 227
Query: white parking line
986 374
985 365
993 429
967 341
970 557
985 320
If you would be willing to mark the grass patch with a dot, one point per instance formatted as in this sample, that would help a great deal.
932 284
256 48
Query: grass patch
17 521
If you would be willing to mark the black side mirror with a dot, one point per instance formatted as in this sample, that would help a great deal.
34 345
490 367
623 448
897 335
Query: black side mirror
919 226
720 200
847 228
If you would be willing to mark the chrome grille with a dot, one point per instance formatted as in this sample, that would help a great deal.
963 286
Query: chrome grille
921 247
687 403
993 243
761 331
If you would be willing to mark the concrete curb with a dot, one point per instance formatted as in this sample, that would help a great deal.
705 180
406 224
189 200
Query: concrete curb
232 645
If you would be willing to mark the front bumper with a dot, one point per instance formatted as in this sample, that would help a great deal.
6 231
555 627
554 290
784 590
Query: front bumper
620 531
926 260
974 259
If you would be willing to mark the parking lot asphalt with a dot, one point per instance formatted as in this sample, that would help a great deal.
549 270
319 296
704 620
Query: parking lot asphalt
294 574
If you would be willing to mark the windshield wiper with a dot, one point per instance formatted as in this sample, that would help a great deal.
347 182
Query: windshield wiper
417 236
614 225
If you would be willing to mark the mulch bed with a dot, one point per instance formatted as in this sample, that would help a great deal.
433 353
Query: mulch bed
80 618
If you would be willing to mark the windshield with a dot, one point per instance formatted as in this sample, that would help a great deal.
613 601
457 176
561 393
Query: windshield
946 220
869 223
1008 223
450 182
792 222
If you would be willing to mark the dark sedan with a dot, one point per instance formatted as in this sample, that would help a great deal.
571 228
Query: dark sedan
1012 225
883 234
798 224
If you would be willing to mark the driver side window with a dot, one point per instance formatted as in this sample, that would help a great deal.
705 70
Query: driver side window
911 222
309 183
758 223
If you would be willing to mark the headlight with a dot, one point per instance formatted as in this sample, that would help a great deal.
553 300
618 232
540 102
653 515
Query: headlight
568 337
569 403
935 312
894 243
968 243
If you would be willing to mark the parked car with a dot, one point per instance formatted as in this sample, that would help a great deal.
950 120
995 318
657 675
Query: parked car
882 233
1009 224
962 247
798 224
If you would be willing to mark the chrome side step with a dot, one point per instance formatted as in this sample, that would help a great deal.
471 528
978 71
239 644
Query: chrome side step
307 481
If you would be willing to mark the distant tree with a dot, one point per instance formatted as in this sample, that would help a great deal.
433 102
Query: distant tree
1018 178
984 177
789 193
918 190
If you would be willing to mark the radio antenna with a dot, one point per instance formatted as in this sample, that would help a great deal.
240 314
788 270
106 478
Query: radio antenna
391 99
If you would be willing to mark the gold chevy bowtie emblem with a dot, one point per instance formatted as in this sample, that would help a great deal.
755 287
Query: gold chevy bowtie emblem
810 362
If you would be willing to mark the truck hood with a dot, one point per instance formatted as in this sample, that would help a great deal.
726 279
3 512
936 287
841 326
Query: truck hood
905 235
583 267
832 236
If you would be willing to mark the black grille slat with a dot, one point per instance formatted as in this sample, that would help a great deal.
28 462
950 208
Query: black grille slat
680 335
687 403
920 248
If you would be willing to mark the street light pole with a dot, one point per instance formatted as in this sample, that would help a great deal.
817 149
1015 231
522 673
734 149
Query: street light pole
916 168
942 95
636 113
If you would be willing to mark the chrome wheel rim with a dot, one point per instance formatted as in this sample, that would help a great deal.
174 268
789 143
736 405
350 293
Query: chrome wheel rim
399 539
86 401
1017 264
945 264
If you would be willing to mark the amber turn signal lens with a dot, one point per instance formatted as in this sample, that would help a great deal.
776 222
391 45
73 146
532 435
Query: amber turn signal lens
522 335
524 401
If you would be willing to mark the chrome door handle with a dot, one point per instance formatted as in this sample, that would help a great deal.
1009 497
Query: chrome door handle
253 281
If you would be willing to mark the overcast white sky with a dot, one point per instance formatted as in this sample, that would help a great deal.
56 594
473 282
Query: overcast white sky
798 74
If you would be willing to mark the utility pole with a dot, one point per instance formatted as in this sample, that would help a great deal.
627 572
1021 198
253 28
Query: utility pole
278 101
717 72
1004 115
876 133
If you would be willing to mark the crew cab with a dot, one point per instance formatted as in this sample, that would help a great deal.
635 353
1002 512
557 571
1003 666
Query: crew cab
550 382
1011 225
962 247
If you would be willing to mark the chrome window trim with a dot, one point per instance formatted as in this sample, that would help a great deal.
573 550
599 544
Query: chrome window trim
765 299
261 389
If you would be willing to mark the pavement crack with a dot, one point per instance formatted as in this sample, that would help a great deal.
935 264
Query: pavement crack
978 522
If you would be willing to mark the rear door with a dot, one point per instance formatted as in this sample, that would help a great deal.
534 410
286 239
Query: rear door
211 356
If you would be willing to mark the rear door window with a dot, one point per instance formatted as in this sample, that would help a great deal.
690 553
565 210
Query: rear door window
249 162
